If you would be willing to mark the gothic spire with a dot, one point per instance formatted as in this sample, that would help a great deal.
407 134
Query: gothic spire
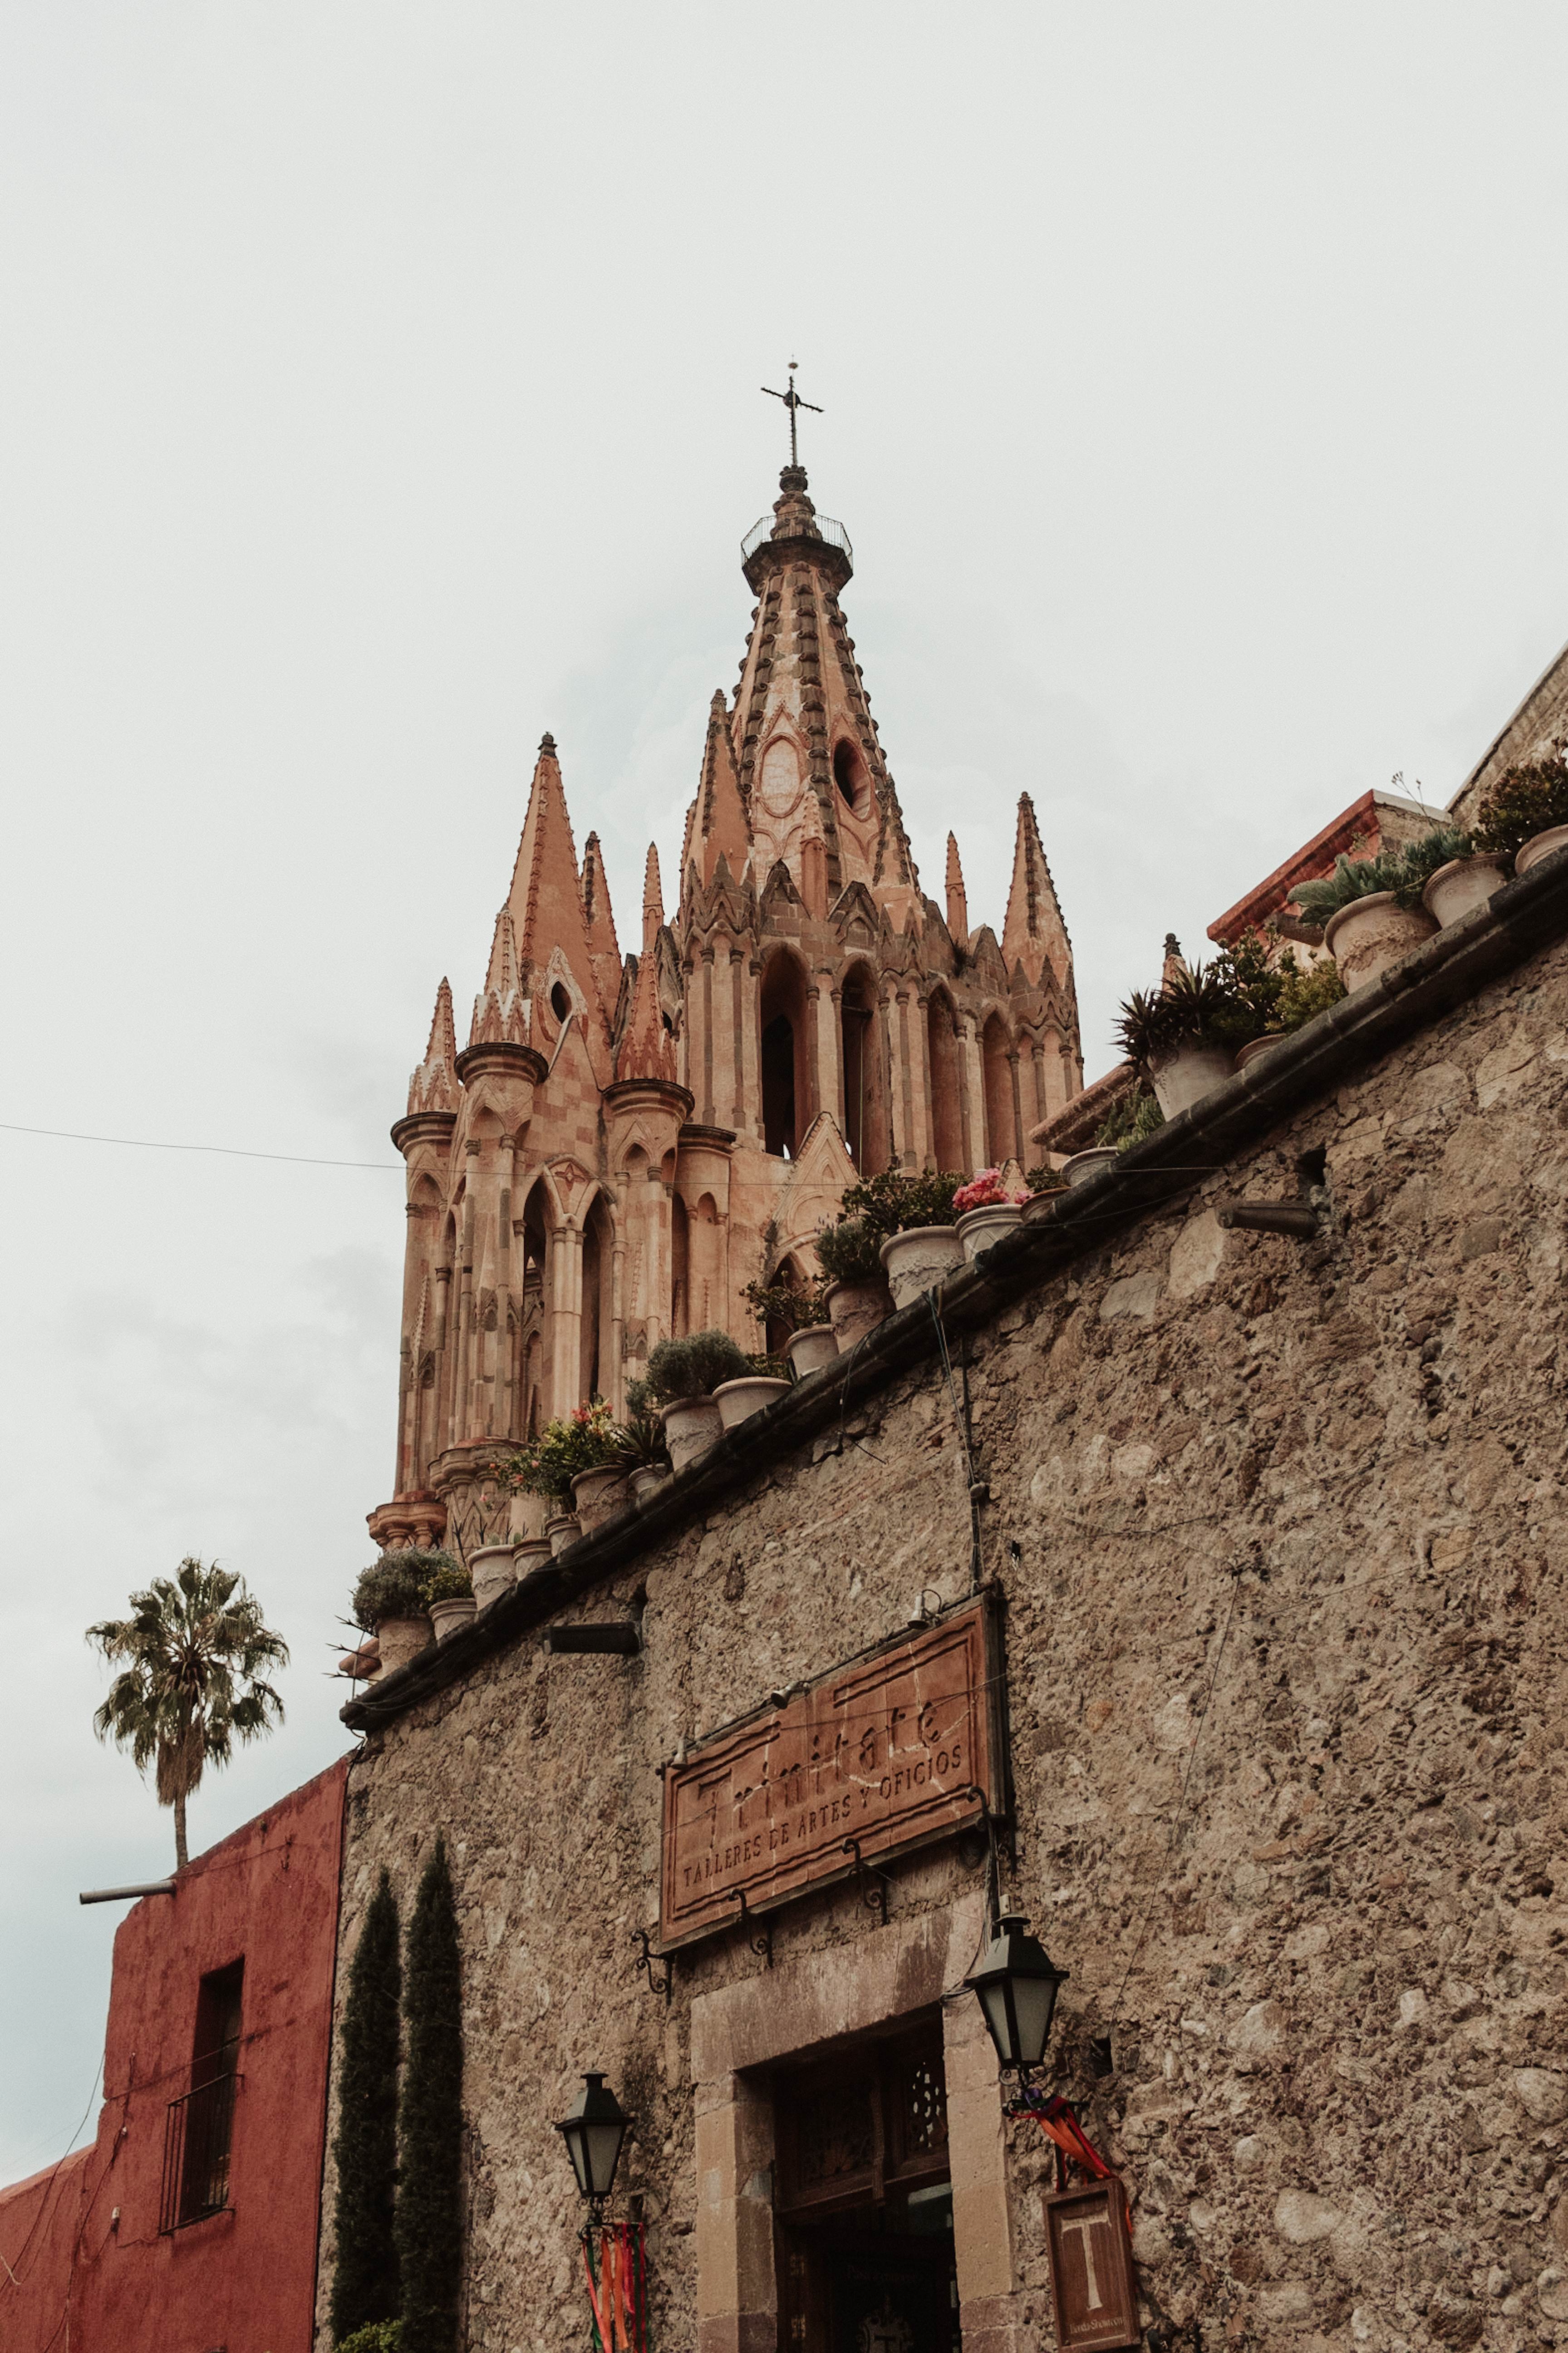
1033 933
433 1086
545 903
502 1014
648 1045
600 923
957 897
721 829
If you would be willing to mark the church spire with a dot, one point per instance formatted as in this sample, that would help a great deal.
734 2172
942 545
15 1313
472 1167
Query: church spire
433 1086
545 905
600 923
648 1045
1033 933
502 1014
957 897
721 829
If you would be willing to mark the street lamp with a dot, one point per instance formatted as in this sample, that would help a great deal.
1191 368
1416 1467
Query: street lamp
1016 1985
593 2129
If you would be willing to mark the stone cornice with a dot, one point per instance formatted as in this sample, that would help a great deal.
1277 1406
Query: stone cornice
1447 971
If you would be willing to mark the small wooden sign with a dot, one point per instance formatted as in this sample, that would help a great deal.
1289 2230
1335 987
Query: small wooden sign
1091 2257
890 1750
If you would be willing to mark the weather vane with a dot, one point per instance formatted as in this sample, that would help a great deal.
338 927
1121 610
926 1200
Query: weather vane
792 402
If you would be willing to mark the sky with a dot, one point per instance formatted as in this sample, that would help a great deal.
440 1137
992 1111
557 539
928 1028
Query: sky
381 387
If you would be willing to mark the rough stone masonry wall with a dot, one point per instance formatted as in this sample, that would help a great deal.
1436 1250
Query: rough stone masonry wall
1281 1531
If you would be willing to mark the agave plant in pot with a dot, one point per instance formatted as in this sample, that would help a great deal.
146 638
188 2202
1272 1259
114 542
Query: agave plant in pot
389 1602
641 1443
1184 1035
799 1312
682 1375
1370 915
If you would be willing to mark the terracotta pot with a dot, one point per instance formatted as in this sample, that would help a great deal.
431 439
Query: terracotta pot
644 1481
599 1495
1465 884
858 1308
738 1400
692 1425
1182 1079
561 1528
492 1572
813 1346
919 1259
1085 1165
1540 846
978 1229
530 1553
402 1639
447 1616
1372 934
1256 1047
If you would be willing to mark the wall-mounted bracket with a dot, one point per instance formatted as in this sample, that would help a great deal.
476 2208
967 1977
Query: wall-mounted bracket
664 1985
874 1895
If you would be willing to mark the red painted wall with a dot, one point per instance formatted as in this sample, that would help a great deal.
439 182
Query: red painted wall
242 2280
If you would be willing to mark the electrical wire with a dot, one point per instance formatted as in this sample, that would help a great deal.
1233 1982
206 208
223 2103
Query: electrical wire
225 1151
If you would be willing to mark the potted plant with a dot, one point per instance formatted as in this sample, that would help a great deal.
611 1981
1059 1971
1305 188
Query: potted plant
803 1310
1525 815
564 1451
767 1377
1183 1036
389 1602
683 1374
913 1215
449 1597
640 1445
1368 917
986 1209
858 1295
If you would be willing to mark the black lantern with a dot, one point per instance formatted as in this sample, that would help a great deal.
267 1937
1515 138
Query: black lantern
593 2132
1017 1984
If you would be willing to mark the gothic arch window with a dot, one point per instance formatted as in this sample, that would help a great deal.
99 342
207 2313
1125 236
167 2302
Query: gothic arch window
785 1076
849 775
679 1266
863 1062
946 1059
1001 1127
596 1361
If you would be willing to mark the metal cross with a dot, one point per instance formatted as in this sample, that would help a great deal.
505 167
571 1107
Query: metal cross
793 401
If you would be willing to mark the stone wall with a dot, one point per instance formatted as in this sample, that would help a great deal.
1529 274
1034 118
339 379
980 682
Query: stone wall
1279 1526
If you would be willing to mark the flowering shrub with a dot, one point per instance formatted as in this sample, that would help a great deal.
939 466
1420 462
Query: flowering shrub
587 1440
985 1190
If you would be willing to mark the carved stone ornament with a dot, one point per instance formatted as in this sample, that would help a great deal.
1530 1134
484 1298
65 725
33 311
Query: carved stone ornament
891 1750
1090 2259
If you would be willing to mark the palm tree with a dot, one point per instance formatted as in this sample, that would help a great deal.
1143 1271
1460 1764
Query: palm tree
195 1646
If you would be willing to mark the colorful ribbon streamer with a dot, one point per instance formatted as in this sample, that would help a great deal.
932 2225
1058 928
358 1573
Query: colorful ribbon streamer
1057 2120
615 2267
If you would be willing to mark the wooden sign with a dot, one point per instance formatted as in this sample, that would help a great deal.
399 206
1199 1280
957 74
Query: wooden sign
890 1750
1091 2257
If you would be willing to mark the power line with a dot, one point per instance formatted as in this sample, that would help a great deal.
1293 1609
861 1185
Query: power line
228 1151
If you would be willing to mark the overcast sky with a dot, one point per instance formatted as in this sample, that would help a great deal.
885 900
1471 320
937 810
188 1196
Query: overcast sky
381 388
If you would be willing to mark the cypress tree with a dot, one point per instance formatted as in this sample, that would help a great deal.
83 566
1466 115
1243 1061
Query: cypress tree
364 2285
429 2185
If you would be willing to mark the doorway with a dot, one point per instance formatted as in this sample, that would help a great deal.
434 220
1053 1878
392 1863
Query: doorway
864 2202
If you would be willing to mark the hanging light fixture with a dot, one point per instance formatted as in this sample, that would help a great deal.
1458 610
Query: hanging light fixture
592 2131
1016 1985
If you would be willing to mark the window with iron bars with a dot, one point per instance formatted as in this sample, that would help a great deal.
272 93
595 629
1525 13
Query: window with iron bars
198 2129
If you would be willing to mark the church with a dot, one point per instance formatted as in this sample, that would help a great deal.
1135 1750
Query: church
625 1143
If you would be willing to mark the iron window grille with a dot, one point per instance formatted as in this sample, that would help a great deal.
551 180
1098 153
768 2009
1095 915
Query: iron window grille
198 2135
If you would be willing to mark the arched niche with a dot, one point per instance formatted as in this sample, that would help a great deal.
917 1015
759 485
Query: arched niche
783 1054
679 1266
946 1058
866 1130
595 1333
1001 1127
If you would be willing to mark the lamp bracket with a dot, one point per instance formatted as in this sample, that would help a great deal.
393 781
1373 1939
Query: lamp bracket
763 1942
874 1897
664 1985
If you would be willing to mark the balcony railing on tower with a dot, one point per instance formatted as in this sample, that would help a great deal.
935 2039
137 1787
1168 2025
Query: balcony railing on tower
198 2132
826 529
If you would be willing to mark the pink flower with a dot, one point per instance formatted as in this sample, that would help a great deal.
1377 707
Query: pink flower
985 1190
